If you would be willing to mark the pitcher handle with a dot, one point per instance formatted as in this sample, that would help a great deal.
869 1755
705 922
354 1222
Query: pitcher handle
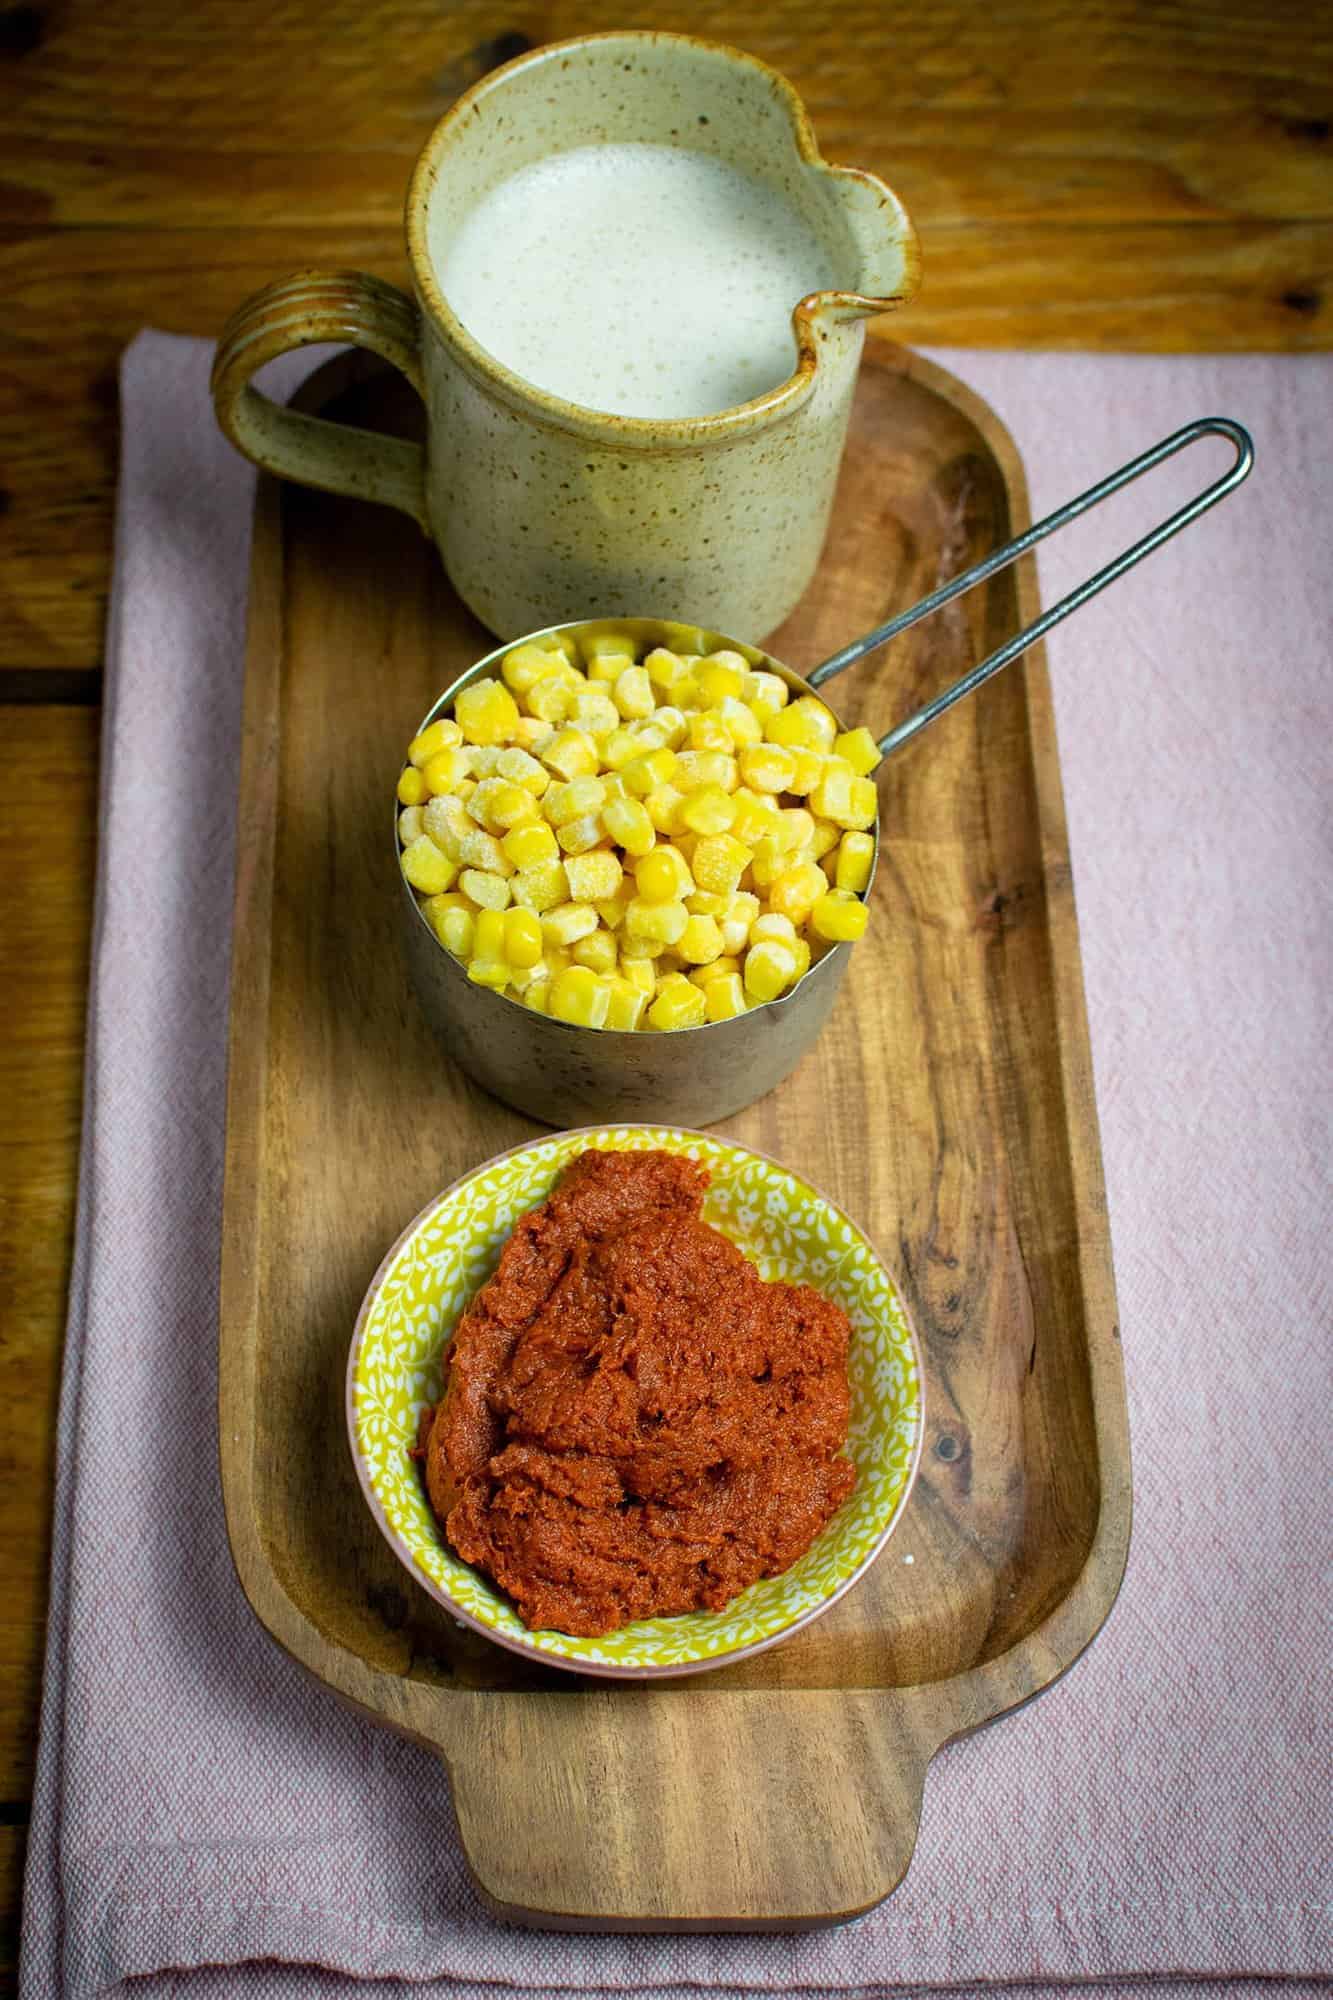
301 311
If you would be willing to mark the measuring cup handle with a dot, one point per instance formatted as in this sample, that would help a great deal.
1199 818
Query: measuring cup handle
1224 427
302 311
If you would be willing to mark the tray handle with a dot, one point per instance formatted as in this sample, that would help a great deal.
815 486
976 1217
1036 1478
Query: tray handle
301 311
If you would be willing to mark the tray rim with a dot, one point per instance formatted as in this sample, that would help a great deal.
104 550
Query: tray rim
922 1717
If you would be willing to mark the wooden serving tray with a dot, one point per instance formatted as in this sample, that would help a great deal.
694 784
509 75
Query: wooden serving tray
947 1108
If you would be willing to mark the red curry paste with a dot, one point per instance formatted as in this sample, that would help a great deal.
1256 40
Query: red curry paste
633 1422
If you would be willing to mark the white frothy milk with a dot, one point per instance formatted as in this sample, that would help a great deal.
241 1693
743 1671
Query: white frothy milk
641 280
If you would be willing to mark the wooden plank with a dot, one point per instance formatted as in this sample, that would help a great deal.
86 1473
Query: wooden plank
1168 287
958 1040
145 115
48 779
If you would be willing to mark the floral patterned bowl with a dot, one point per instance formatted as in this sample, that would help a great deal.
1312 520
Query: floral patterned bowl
789 1231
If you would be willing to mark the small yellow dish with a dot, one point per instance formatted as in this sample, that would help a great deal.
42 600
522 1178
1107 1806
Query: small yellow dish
789 1231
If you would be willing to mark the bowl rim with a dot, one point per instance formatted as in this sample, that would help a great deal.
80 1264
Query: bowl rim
670 1670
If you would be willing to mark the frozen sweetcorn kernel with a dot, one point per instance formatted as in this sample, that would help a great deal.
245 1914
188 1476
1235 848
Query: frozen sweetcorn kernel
839 918
600 825
858 748
486 712
678 1005
579 997
856 854
426 868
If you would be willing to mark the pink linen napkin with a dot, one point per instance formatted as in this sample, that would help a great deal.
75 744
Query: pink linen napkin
209 1823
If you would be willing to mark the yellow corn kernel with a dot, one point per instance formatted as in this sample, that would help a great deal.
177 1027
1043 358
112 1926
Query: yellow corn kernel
412 787
479 849
700 942
444 734
611 909
567 923
697 768
719 862
755 813
795 890
708 732
743 725
767 767
644 773
571 753
556 959
577 836
634 948
578 996
530 843
663 875
856 852
492 972
807 772
426 868
482 758
621 747
488 935
802 960
707 903
795 829
454 928
720 678
522 936
824 839
668 725
626 1005
526 665
537 996
766 693
663 808
774 927
446 820
595 713
724 999
411 825
598 950
532 734
843 797
612 640
490 892
720 967
632 693
769 861
592 877
605 669
638 973
522 976
551 700
678 1005
664 921
667 669
858 748
509 806
708 811
742 911
485 712
627 822
444 773
574 800
769 967
804 724
839 917
540 887
520 767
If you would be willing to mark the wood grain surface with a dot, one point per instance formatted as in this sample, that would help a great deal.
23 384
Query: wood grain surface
1143 173
946 1106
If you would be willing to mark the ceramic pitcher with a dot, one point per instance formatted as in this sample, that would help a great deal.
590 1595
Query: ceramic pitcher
543 510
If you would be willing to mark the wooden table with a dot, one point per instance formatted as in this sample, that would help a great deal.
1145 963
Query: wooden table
1130 174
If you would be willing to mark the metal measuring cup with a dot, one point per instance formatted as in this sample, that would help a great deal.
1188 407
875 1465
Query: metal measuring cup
567 1075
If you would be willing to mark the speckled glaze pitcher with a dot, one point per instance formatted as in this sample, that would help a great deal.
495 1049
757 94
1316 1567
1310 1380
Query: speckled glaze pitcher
544 511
